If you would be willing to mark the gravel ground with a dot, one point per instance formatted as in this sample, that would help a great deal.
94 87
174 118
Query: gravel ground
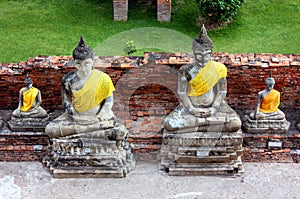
260 180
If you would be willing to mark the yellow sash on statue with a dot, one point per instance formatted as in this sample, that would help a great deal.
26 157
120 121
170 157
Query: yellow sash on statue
97 88
270 103
28 98
207 78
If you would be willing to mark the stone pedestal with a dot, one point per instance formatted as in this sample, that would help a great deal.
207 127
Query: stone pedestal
164 10
120 10
88 157
266 126
28 124
202 153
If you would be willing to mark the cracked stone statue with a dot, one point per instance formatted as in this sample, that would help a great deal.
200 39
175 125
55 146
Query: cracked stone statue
202 88
87 96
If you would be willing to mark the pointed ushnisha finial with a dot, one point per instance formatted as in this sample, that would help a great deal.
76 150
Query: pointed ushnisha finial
203 41
82 50
81 41
271 73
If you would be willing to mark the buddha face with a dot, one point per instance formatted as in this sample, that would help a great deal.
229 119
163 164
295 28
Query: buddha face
84 67
202 56
270 82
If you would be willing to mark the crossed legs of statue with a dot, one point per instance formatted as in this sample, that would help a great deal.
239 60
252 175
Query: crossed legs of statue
71 127
277 115
37 112
181 121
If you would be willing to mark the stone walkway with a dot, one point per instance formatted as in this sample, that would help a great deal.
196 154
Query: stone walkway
260 180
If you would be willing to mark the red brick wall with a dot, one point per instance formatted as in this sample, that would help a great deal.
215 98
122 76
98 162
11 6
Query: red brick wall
146 92
246 76
23 146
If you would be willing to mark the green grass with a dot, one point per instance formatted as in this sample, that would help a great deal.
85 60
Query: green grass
53 27
262 26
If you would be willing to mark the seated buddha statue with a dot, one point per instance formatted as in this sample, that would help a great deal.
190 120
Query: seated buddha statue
29 102
267 103
87 96
202 89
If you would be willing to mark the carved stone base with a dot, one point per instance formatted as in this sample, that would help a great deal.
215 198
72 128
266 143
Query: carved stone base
266 126
202 153
28 124
89 157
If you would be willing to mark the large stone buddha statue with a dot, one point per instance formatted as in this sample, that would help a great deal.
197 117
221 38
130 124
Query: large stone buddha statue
202 90
29 115
202 136
267 118
87 138
87 96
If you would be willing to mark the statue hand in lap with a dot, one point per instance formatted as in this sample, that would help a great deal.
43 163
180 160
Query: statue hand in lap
203 112
267 103
29 102
202 89
87 96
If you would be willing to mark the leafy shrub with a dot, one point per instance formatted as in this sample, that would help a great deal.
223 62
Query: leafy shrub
219 10
130 47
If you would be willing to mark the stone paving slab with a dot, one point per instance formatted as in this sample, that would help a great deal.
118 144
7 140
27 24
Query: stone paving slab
260 180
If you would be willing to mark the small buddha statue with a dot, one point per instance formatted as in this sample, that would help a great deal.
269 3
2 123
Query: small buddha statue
267 103
267 118
87 96
29 102
202 89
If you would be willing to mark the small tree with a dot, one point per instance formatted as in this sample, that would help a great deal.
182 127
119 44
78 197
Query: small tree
219 10
130 47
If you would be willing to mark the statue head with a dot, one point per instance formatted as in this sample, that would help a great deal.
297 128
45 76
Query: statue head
202 42
82 51
202 47
28 81
84 58
270 82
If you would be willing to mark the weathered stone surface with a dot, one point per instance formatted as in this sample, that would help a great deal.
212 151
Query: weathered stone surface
28 124
120 10
275 144
202 153
266 126
164 10
76 158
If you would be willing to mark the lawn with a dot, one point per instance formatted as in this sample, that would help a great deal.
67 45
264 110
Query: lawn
53 27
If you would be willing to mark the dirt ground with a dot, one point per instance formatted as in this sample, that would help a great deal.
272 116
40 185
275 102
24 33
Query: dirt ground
260 180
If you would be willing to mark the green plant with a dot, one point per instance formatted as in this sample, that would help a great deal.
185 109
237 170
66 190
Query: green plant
130 47
219 10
